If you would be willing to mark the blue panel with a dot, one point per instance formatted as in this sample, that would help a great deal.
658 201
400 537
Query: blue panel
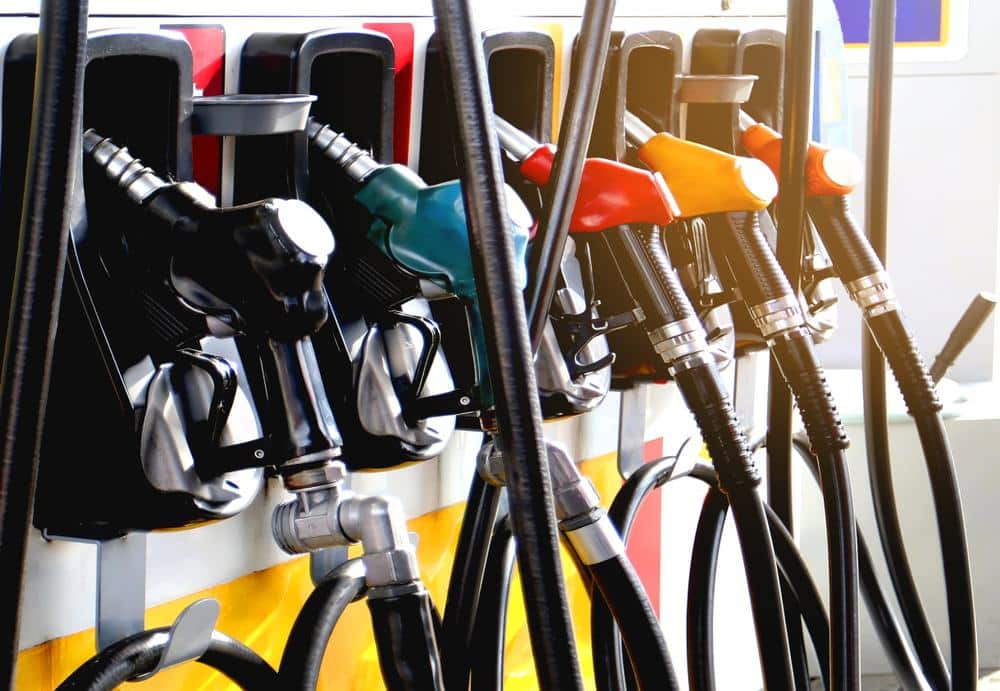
917 21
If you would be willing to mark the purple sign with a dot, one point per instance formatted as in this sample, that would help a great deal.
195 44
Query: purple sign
917 21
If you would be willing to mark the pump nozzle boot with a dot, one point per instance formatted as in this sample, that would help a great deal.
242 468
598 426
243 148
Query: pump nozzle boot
424 228
270 289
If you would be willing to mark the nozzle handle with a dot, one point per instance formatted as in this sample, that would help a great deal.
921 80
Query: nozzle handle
704 180
975 316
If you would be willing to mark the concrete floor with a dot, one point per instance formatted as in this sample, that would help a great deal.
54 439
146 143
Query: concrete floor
887 682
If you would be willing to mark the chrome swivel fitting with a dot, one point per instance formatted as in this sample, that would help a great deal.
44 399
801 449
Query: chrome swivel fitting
330 515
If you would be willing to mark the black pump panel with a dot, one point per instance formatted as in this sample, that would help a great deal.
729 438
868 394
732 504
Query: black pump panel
350 71
762 52
137 89
521 69
714 52
640 76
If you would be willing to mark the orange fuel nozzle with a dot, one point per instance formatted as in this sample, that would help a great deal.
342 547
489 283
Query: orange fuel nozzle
703 180
829 171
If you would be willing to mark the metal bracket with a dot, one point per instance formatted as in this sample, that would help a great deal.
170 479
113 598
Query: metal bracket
121 604
631 430
189 636
121 588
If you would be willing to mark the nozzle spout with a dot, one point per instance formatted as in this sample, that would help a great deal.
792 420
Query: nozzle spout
637 132
355 161
138 181
515 142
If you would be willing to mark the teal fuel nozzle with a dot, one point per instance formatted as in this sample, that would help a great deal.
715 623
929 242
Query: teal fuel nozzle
423 228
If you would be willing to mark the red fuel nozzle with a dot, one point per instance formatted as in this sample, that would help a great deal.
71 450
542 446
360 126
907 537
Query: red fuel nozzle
611 193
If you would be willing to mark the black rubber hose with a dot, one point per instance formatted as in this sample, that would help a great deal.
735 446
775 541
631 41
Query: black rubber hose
623 512
466 580
139 654
887 627
703 392
891 333
53 159
559 195
306 645
605 637
511 364
809 603
487 654
854 257
796 358
622 591
701 592
404 636
761 279
807 600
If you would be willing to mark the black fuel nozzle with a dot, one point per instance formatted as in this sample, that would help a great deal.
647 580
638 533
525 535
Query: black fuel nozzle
254 270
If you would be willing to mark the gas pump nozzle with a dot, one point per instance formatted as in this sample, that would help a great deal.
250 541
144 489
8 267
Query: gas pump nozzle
423 228
274 253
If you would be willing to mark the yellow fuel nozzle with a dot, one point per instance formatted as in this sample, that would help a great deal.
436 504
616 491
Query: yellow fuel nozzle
703 180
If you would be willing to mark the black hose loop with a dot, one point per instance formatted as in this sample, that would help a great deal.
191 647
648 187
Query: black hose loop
139 654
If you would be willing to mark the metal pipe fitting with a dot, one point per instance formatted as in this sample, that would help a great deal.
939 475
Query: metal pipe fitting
578 506
327 515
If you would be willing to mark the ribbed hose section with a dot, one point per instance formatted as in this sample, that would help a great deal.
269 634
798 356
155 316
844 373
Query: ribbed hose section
794 353
643 279
758 273
703 392
405 637
652 245
139 654
892 335
851 253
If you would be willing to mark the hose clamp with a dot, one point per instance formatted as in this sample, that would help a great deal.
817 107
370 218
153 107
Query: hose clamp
873 294
776 316
596 542
679 339
692 361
